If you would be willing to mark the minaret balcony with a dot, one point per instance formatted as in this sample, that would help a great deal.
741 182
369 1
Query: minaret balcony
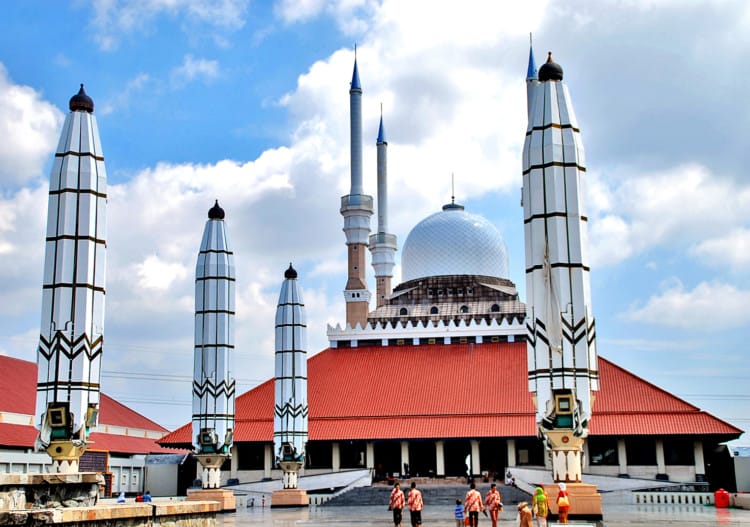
356 202
384 240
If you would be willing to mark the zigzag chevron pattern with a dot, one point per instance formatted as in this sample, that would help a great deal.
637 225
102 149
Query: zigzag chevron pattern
215 390
570 333
60 344
289 410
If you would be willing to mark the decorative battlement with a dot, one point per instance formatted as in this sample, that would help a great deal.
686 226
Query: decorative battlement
508 329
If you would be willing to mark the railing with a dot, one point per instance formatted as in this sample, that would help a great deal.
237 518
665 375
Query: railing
672 498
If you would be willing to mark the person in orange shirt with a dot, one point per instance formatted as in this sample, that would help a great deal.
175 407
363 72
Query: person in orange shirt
396 504
415 505
563 504
493 503
473 505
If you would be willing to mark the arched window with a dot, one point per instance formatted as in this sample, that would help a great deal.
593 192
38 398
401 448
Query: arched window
403 311
433 310
464 309
495 308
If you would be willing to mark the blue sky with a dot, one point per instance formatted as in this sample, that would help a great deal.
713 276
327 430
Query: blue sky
247 102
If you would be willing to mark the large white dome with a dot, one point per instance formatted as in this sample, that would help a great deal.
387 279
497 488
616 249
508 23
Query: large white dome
454 242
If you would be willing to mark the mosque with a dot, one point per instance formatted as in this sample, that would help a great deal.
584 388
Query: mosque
438 372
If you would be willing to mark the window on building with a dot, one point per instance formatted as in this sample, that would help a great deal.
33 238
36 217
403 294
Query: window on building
319 454
464 309
403 311
250 456
433 310
602 451
495 308
640 450
679 451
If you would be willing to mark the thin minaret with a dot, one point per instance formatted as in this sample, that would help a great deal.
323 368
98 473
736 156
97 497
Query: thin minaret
290 384
382 244
562 359
72 323
531 79
356 208
213 380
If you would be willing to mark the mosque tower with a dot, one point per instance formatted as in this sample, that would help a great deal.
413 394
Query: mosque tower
72 323
290 391
213 380
382 244
356 208
562 363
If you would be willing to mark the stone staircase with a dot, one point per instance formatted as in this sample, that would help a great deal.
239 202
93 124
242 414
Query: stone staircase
433 494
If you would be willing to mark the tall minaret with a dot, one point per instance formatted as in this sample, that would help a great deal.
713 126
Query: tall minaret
290 390
560 325
382 244
356 208
72 326
531 79
213 378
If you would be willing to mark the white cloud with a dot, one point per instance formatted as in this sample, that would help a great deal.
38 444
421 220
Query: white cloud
155 273
114 19
709 307
192 69
732 249
677 207
29 127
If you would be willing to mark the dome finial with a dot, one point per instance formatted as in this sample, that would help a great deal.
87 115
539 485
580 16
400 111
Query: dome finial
291 273
216 212
81 102
355 75
550 70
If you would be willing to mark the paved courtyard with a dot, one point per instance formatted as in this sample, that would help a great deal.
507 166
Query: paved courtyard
614 516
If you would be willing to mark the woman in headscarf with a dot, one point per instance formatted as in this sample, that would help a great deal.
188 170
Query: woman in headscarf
540 507
563 504
121 497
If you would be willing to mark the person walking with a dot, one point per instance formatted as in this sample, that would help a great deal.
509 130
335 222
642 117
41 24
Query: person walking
473 505
459 513
493 503
396 504
540 507
524 515
563 504
415 505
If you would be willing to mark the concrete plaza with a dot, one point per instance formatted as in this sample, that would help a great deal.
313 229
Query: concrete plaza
614 516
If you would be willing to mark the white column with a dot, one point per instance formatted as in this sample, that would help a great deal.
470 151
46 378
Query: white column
404 455
234 461
700 466
475 457
622 456
370 455
661 467
335 457
267 460
511 446
439 458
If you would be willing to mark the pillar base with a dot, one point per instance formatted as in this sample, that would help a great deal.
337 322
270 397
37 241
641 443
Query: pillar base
289 498
224 497
585 500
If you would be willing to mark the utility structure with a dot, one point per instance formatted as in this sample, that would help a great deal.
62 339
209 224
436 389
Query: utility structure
356 208
71 336
562 361
383 245
290 392
213 378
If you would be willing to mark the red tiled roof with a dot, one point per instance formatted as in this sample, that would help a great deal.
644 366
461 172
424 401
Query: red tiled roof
18 386
18 389
22 436
452 391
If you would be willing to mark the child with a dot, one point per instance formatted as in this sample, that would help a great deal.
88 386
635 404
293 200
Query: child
459 510
524 515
